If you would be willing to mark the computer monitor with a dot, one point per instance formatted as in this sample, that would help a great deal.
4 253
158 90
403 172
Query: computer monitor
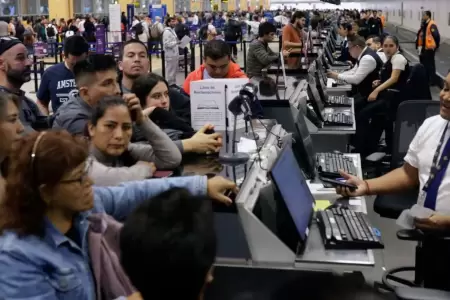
303 146
321 87
314 97
296 200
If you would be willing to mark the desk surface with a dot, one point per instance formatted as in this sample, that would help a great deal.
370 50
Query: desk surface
315 251
339 88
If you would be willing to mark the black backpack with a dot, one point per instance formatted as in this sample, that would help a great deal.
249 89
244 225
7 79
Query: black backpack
51 31
138 28
203 32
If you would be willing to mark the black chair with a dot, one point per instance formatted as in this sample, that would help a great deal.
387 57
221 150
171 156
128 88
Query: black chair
410 116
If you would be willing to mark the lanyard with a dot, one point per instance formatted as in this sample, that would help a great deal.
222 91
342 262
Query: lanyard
443 163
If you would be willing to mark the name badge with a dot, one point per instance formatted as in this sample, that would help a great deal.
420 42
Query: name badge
421 198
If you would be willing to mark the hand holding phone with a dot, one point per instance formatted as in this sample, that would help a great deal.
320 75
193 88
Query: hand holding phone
337 183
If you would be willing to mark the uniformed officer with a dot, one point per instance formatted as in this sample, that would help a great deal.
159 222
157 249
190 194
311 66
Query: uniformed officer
427 42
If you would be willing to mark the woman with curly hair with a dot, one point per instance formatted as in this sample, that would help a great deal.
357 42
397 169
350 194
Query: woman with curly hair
44 242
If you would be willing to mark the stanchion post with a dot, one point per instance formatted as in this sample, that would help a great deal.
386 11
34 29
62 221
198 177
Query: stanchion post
200 44
185 62
36 86
163 63
192 57
280 43
55 52
60 52
245 57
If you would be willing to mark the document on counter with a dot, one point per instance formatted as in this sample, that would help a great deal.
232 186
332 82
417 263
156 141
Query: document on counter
184 42
209 103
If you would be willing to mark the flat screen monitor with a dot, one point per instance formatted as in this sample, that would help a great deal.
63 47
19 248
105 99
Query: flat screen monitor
303 146
314 96
321 87
294 193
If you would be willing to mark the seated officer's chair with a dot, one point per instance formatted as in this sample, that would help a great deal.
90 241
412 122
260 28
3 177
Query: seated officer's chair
410 116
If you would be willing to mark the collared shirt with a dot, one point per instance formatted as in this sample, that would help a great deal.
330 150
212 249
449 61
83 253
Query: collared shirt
382 56
360 71
420 156
56 267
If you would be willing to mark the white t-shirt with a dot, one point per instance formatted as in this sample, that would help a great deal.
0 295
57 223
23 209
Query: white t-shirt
420 156
211 28
398 62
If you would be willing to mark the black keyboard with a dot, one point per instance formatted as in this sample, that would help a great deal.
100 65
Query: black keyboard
329 164
337 119
339 101
339 63
343 228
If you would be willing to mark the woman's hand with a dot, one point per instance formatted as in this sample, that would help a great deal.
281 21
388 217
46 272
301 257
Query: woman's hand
202 142
373 96
147 164
361 186
147 112
135 296
286 52
217 186
435 222
134 106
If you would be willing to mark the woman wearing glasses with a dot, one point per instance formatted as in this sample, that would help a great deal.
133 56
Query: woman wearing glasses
44 248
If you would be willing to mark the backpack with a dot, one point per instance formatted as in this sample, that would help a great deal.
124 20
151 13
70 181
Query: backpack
138 28
51 31
203 32
155 31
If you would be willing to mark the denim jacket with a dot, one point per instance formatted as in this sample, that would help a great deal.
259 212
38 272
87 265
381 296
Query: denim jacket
55 267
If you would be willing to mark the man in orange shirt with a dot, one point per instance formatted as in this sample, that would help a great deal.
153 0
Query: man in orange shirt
292 36
216 64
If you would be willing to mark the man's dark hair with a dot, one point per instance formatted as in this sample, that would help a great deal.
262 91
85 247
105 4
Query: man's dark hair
297 15
357 40
428 13
75 45
266 28
129 42
170 19
92 64
168 245
346 26
375 38
217 49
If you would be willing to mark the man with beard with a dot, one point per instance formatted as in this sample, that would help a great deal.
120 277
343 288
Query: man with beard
15 70
171 52
292 36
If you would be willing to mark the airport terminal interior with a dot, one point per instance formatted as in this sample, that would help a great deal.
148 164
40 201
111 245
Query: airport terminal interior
315 131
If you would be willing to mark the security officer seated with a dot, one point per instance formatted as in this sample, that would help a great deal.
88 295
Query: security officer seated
361 76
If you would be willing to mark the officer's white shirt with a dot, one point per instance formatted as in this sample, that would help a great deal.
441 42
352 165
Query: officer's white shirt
420 156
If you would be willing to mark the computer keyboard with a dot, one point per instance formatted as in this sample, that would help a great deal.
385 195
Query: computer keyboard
339 63
329 164
337 119
339 101
343 228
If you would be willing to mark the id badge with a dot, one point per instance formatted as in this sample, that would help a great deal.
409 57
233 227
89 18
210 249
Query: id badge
421 198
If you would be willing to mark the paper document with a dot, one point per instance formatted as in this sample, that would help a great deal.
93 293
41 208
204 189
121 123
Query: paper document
246 145
321 205
209 103
355 202
184 42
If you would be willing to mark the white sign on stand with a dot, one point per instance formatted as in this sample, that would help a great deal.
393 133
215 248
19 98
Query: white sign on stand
209 103
115 28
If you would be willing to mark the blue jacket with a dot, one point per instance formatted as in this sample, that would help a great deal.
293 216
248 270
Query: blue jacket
56 267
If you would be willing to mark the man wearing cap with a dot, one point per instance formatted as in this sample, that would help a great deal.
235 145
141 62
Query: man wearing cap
15 70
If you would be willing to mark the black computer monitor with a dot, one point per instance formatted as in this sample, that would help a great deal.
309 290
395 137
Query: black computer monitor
297 200
314 97
303 146
320 68
321 87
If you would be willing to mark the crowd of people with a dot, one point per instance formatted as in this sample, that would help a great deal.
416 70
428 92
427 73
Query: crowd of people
87 155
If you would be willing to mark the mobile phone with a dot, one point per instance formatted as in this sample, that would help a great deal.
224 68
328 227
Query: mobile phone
336 183
162 174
